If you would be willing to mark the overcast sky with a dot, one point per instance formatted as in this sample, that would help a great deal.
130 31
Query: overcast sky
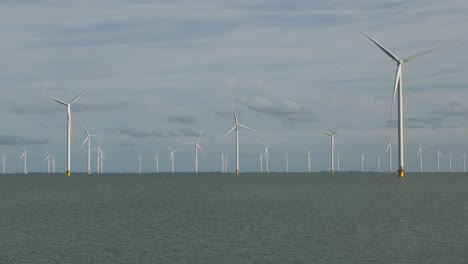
158 72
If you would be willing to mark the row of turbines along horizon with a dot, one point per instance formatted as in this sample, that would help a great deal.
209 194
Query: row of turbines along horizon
263 159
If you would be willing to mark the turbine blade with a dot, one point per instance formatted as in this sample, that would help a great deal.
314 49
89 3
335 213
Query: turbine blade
389 53
86 130
247 127
230 131
389 142
86 139
388 147
199 135
199 147
235 115
78 96
395 89
57 100
420 54
328 134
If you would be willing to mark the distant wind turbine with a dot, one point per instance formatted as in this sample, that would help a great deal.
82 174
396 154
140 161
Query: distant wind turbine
332 147
140 159
308 160
362 162
389 150
88 139
378 163
156 159
236 128
3 162
439 154
171 158
197 147
222 163
69 124
420 157
260 160
266 155
398 87
25 157
449 155
287 158
464 160
338 155
49 159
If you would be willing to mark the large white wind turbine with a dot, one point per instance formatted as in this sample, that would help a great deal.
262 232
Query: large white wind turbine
25 157
197 147
309 158
171 158
389 150
332 146
3 163
88 139
398 87
140 159
69 124
420 157
236 128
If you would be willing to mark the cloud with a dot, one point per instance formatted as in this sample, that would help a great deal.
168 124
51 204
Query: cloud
44 107
182 119
181 132
126 131
287 109
19 140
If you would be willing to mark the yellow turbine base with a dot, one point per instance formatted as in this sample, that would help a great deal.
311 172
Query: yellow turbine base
89 173
237 172
401 173
68 173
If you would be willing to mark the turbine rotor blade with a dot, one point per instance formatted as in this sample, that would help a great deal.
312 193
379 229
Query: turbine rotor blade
78 96
57 100
246 127
420 54
389 53
395 89
230 130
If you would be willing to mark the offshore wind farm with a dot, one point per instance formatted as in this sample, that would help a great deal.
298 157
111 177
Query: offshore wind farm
233 132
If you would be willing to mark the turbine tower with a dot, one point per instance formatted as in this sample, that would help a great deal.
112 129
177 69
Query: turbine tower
48 158
338 155
420 157
378 163
362 163
69 124
236 127
260 160
464 160
197 147
449 155
88 139
398 88
25 157
332 146
389 150
222 163
287 158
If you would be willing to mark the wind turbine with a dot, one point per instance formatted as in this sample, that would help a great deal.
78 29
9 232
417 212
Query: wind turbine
464 160
287 158
449 155
3 163
25 157
439 154
88 139
222 163
378 163
389 150
332 146
309 158
197 147
362 162
140 159
398 87
156 158
226 162
236 127
171 158
338 155
53 164
266 154
69 124
48 158
420 157
260 160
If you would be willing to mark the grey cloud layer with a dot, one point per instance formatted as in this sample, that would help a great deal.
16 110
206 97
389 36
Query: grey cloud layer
20 140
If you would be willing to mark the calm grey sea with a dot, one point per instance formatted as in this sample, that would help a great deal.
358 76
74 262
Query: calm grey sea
250 218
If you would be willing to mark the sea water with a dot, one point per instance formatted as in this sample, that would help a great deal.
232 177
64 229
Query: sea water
227 218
